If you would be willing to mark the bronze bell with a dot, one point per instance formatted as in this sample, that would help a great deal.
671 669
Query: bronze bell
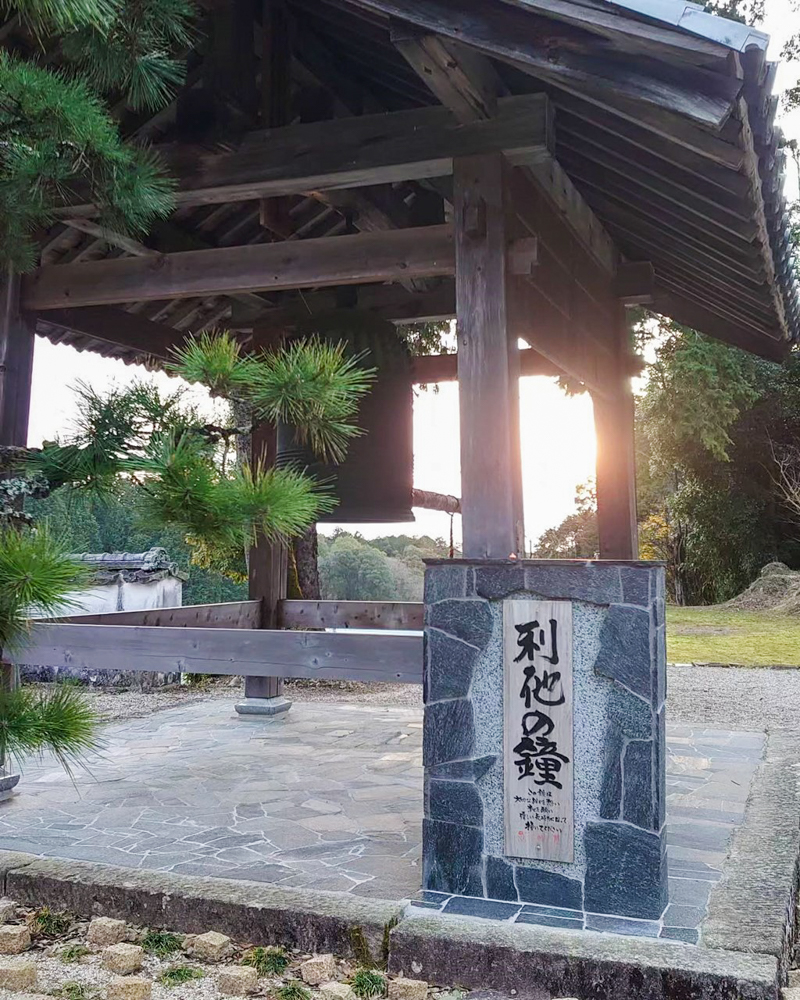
375 481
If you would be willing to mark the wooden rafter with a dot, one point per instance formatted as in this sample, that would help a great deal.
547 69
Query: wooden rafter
574 61
116 326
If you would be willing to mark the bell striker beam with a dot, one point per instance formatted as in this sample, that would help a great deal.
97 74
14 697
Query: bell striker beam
488 362
616 456
16 364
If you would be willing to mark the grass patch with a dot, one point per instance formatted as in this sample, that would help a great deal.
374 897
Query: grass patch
293 990
75 991
267 961
367 983
161 943
73 953
725 635
179 974
45 923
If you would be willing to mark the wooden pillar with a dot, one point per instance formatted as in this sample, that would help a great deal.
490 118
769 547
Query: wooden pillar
16 364
17 334
276 98
616 459
267 573
488 362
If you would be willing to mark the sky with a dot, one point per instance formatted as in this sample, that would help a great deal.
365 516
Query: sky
558 443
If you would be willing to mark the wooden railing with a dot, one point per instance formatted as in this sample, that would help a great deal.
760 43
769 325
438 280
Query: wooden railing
350 614
227 639
397 616
235 614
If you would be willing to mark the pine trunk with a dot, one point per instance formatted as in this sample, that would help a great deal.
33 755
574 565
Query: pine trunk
306 551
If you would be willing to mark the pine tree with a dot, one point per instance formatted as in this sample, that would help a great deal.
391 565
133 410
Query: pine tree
183 468
58 139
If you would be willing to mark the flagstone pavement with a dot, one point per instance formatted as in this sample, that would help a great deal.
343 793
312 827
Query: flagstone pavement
328 796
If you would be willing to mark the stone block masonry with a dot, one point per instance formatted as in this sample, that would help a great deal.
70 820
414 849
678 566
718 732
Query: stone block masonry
618 865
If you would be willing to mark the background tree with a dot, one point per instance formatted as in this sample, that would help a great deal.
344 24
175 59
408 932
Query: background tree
354 571
88 522
576 537
714 429
380 569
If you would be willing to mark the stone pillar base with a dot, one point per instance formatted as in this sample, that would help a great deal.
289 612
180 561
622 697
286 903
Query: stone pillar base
263 706
616 745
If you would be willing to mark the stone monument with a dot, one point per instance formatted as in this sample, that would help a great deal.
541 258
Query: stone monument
544 747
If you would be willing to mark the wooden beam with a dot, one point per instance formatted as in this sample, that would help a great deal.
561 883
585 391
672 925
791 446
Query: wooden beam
359 151
430 368
393 302
343 260
488 362
466 82
462 79
558 187
622 33
553 51
253 652
16 363
351 614
232 614
352 152
168 234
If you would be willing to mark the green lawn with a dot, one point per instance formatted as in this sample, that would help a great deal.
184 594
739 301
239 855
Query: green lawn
720 635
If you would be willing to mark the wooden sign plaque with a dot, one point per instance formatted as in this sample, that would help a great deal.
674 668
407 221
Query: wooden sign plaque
538 727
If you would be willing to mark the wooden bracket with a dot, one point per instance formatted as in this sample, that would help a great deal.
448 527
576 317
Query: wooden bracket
474 215
635 283
523 255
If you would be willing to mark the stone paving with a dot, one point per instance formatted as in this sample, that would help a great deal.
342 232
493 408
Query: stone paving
709 773
330 797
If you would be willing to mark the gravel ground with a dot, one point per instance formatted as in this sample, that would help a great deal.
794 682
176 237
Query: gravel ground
744 698
87 979
117 704
716 697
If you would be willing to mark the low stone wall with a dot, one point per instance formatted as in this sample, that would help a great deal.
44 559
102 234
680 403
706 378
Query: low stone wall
538 963
144 680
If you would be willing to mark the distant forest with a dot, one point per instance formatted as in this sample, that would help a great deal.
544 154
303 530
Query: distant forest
351 568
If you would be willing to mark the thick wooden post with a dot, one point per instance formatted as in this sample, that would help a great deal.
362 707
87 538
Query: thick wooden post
267 575
616 459
16 373
16 364
488 362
